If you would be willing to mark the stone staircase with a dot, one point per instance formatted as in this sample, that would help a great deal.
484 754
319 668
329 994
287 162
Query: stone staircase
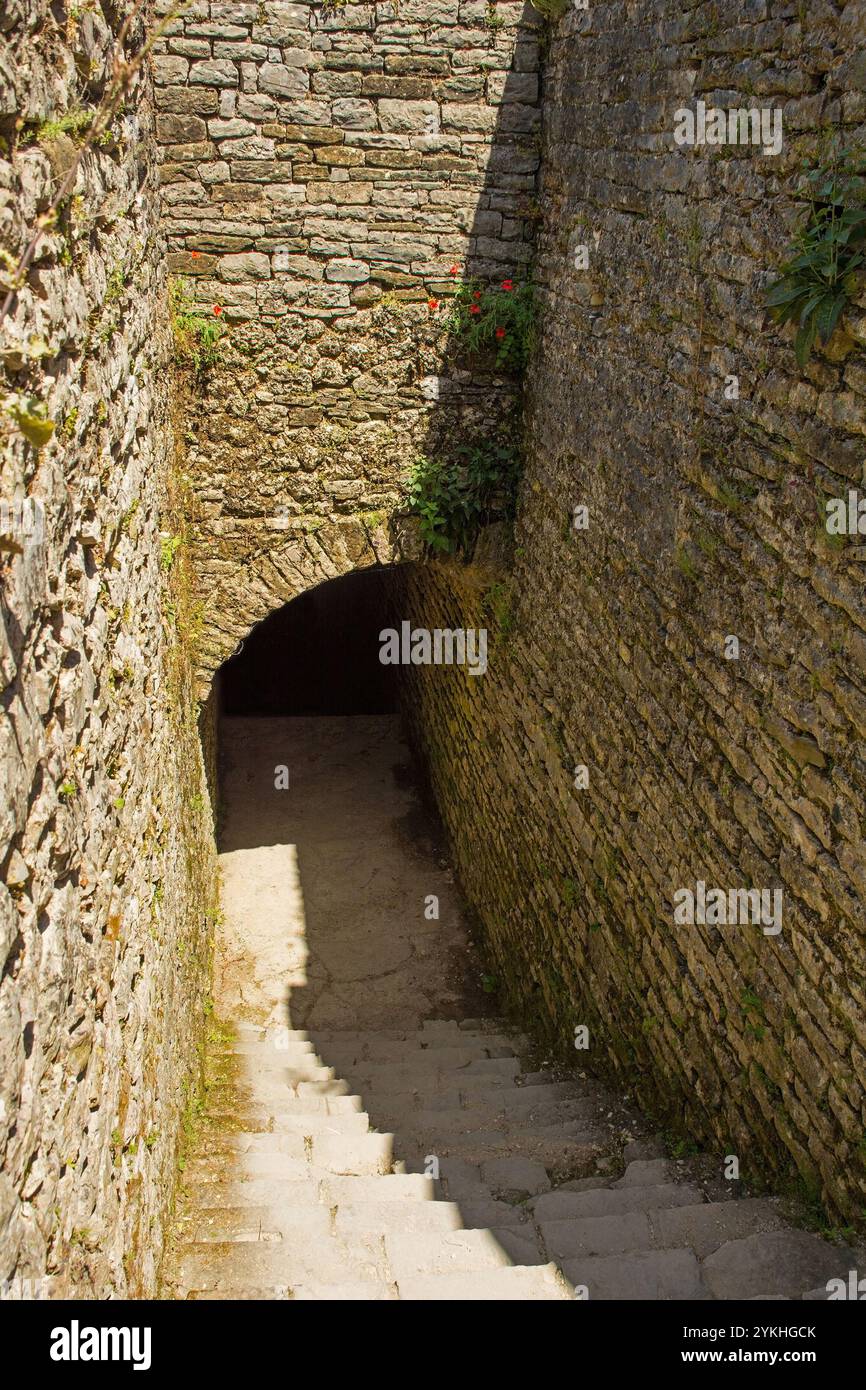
290 1192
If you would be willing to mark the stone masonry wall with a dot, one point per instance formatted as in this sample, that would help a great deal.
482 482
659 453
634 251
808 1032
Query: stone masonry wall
108 878
704 523
324 167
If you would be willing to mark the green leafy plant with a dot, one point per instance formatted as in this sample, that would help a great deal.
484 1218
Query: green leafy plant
75 123
819 277
168 549
29 415
455 498
497 320
198 338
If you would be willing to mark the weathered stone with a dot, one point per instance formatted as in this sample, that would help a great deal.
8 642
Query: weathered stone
282 80
214 74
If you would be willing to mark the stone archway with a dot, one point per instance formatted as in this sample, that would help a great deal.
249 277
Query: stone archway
273 577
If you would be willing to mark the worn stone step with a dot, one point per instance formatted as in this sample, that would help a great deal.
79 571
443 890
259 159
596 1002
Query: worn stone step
314 1104
309 1123
279 1265
520 1243
650 1172
320 1292
597 1235
395 1187
291 1071
655 1274
776 1262
530 1099
330 1089
399 1054
269 1142
242 1223
355 1154
517 1283
421 1252
704 1228
610 1201
397 1216
385 1080
440 1027
273 1046
275 1193
228 1167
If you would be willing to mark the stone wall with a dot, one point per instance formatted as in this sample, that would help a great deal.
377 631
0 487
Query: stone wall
704 523
108 879
324 167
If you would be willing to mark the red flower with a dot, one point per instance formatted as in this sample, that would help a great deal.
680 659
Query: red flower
476 294
217 308
195 254
508 284
455 270
474 309
500 332
432 303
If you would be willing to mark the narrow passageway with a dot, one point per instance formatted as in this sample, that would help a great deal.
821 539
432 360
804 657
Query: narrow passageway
324 882
371 1128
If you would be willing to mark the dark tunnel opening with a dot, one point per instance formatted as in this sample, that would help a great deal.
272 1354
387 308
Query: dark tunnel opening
319 654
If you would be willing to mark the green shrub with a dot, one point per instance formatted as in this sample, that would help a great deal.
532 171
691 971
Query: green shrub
454 499
819 277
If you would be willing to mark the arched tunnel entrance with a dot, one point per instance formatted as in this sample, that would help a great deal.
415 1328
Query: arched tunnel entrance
328 843
318 654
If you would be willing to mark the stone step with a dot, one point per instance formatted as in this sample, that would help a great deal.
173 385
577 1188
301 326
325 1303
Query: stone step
320 1292
243 1223
275 1193
353 1154
224 1167
265 1051
456 1252
278 1265
517 1283
294 1105
597 1235
395 1187
330 1089
397 1216
309 1123
257 1142
609 1201
789 1263
384 1054
655 1274
706 1227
